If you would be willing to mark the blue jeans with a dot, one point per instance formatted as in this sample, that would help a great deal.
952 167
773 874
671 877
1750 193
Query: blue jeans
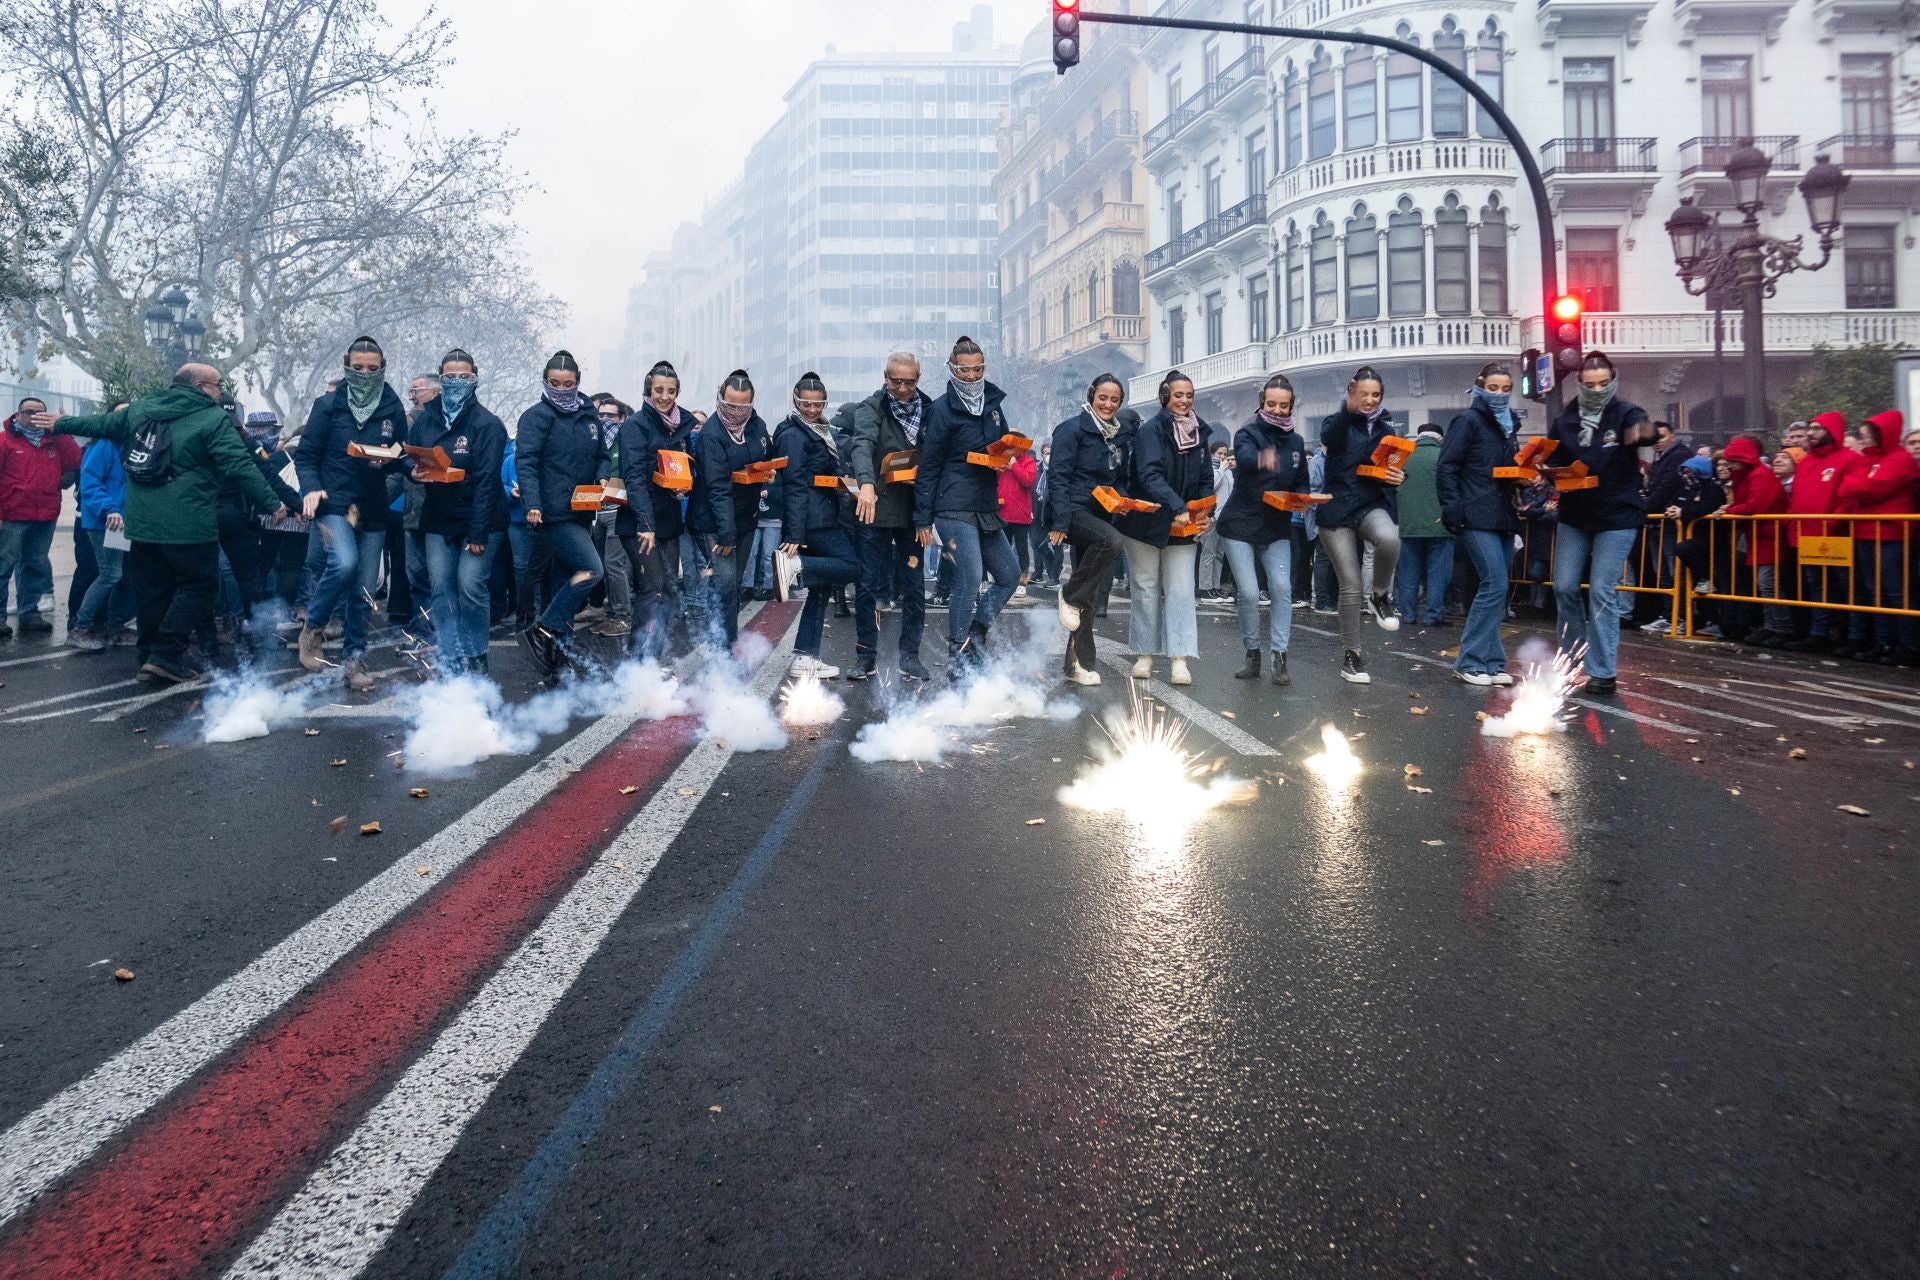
888 557
1480 649
353 570
311 569
1428 563
25 549
1277 556
110 595
724 586
759 566
1877 580
571 545
973 552
1598 623
1162 619
826 561
458 580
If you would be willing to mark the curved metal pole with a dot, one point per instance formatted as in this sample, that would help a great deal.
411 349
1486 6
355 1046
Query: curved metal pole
1549 265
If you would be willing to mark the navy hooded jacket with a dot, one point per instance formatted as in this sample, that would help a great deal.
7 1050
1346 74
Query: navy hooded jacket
475 442
805 508
556 454
1083 460
719 508
1159 471
322 461
1350 443
1616 503
1470 498
949 484
1247 517
642 436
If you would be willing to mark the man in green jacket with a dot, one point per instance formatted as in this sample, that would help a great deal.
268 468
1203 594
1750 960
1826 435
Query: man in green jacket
1426 548
173 520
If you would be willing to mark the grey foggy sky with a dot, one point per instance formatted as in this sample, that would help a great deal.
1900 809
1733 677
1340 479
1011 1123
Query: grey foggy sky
631 115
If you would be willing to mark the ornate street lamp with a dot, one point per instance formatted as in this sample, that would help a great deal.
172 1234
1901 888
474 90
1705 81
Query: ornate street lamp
1689 228
192 334
176 303
1747 170
159 322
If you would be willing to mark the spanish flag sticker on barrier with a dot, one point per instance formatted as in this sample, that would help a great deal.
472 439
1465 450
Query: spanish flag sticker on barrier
1826 552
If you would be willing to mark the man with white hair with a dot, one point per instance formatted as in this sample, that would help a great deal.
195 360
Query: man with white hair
888 422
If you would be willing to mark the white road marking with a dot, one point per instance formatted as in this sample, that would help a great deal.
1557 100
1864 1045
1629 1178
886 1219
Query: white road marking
1588 703
1879 703
1774 705
128 683
344 1213
1883 690
48 656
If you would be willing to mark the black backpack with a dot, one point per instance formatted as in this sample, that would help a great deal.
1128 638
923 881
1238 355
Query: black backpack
148 457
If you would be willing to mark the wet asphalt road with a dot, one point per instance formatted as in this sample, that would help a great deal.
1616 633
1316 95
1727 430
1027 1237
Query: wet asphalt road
1636 999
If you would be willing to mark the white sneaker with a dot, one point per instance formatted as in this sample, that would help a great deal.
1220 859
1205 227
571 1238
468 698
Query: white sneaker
1143 667
805 664
786 574
1180 673
1502 680
1020 592
1480 679
1658 627
1070 617
1081 675
1703 588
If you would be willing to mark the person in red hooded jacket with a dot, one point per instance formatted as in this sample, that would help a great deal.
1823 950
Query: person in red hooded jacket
1886 483
35 465
1816 492
1016 508
1758 492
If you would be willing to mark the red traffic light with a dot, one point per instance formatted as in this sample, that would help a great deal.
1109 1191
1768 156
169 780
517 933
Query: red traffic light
1566 307
1066 4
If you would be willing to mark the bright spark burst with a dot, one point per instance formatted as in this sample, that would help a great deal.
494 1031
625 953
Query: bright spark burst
805 701
1336 764
1540 698
1145 773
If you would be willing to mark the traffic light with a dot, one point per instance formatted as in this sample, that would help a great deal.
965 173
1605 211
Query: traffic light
1066 34
1530 374
1564 336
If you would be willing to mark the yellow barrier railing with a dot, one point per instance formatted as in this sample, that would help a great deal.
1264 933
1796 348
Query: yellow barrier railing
1640 574
1856 563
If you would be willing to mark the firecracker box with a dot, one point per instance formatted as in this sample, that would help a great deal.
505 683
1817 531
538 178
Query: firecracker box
900 468
378 452
1287 500
1188 526
1388 455
759 472
674 470
1116 503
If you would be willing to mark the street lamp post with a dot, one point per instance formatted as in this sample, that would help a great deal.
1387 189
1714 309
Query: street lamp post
174 332
1752 263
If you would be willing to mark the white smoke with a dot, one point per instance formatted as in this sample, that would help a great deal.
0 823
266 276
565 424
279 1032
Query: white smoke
460 722
247 706
731 712
1012 686
806 702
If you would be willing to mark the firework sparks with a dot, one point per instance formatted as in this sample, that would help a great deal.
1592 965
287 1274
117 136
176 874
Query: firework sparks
1336 764
1540 699
805 701
1144 772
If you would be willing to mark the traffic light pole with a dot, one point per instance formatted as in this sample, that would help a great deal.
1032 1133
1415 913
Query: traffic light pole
1543 214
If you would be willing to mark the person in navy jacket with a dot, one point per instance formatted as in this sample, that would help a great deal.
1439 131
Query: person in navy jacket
559 447
463 522
1089 452
345 498
722 512
660 425
1598 526
1362 509
816 521
1481 512
1167 464
962 499
1269 456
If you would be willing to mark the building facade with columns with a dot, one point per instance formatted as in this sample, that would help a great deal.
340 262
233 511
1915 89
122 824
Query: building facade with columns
1397 230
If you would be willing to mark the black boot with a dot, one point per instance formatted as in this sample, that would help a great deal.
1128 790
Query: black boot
1252 670
1279 669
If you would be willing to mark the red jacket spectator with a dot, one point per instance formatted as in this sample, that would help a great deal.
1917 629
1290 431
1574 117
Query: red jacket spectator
1756 492
1884 484
1816 481
1016 490
31 476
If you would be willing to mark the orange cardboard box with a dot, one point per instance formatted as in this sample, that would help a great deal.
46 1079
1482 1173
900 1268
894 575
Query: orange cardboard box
1388 454
993 461
1567 479
588 497
834 482
381 452
432 466
759 472
1187 526
900 468
1012 442
613 492
1287 500
1114 503
675 471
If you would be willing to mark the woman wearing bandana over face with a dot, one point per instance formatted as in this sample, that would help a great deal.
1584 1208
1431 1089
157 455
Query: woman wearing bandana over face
963 499
1269 456
721 511
1167 464
659 425
462 523
346 499
1361 509
816 521
1089 451
1598 526
559 448
1482 512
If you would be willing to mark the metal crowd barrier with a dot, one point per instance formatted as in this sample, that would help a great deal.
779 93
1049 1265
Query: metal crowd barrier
1650 569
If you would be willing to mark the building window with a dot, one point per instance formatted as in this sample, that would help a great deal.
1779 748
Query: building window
1256 153
1866 102
1593 267
1406 262
1363 266
1066 312
1587 97
1258 313
1493 258
1210 187
1176 214
1320 129
1362 106
1093 297
1295 117
1489 72
1173 91
1449 99
1403 98
1126 289
1296 281
1326 275
1209 61
1451 296
1726 97
1868 252
1176 335
1216 306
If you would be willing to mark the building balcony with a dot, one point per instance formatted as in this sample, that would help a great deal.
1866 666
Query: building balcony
1866 17
1016 233
1875 158
1409 337
1691 333
1246 364
1730 17
1092 159
1712 154
1242 222
1220 102
1600 173
1107 330
1392 166
1593 18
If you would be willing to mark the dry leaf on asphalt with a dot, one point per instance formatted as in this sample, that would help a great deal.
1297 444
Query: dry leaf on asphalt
1434 843
1420 791
1733 791
1874 742
1480 715
1229 715
685 791
1853 809
1411 770
369 828
1798 753
627 791
1419 711
338 825
341 763
418 793
1036 822
124 975
714 1110
311 733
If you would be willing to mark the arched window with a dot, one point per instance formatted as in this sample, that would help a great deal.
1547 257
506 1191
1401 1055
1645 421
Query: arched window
1489 72
1296 279
1404 74
1363 266
1320 117
1296 117
1326 273
1093 296
1449 99
1126 289
1451 295
1406 262
1066 312
1361 91
1493 257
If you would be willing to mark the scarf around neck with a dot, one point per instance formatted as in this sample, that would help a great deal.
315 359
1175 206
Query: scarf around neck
671 419
363 387
1108 426
1497 403
971 395
455 395
733 419
567 401
1277 421
1186 431
824 430
908 416
1592 405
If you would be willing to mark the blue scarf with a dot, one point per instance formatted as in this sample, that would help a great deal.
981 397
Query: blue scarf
455 393
34 435
1497 403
